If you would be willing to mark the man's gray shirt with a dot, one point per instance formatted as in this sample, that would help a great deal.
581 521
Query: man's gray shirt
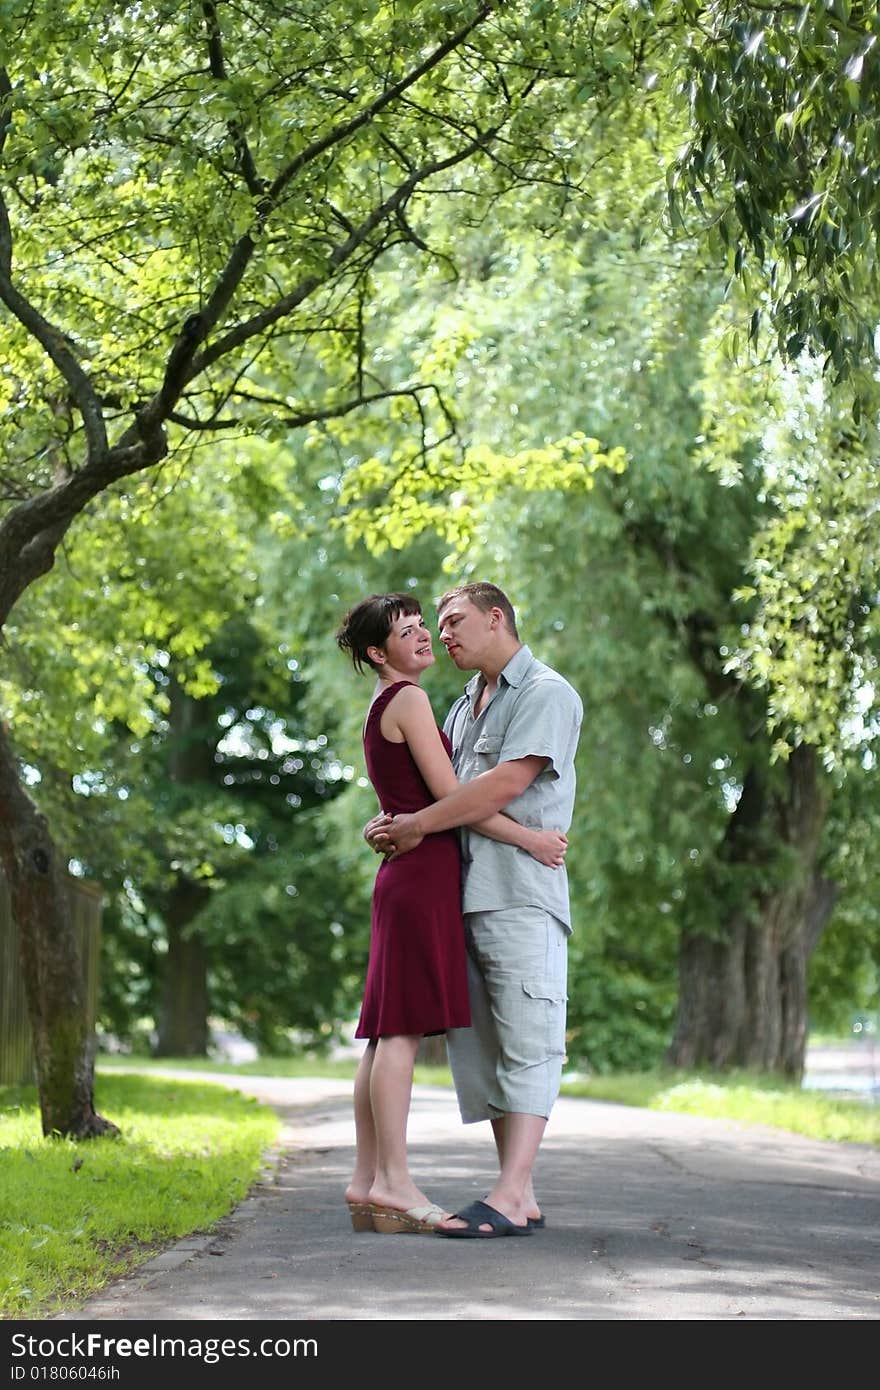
533 713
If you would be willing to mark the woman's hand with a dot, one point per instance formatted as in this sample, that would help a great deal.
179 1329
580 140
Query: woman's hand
376 834
548 847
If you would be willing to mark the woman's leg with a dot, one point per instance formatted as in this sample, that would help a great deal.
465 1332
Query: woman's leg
365 1130
391 1094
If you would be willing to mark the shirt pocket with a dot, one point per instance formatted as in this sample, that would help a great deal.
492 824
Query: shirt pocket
488 748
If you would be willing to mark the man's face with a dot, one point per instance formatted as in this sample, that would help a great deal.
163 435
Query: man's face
464 632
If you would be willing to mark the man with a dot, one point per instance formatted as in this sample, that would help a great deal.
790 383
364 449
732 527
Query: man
514 734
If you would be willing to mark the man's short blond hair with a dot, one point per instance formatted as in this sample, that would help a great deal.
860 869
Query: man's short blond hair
483 596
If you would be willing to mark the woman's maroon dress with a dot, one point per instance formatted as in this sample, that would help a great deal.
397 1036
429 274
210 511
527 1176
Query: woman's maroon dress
416 976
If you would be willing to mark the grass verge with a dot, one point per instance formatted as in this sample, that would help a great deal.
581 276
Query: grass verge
75 1215
342 1067
744 1096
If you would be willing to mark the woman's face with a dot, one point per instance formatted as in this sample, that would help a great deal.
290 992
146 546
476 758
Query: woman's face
407 648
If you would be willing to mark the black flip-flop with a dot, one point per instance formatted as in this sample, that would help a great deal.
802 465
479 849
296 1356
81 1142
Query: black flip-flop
481 1214
537 1223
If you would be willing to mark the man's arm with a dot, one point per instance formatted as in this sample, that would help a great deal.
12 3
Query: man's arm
473 801
547 846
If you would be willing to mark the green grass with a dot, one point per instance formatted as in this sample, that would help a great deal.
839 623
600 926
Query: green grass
75 1215
263 1066
744 1096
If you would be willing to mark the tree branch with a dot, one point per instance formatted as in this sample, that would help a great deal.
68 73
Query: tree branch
47 335
383 212
30 532
347 128
309 417
181 364
256 185
6 112
56 346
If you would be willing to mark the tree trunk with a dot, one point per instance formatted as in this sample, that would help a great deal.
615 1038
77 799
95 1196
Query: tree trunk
183 1014
743 989
50 962
183 1021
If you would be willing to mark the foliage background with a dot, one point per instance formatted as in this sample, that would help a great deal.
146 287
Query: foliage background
601 351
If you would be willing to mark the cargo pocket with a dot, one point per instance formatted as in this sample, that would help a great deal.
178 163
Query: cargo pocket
547 1010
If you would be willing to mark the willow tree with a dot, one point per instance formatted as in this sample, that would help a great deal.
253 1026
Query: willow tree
748 504
779 166
714 603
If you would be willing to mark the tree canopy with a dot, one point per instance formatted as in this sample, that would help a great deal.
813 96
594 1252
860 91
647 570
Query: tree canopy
781 163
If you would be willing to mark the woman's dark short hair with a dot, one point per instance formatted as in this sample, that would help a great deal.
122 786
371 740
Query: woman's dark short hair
369 623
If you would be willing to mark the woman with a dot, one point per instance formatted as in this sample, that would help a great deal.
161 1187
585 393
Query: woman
416 982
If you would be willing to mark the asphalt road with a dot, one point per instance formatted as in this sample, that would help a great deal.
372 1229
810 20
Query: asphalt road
650 1216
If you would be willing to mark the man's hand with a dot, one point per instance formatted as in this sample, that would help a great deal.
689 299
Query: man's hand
403 834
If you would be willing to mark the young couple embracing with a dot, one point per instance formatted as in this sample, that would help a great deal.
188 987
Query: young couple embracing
470 912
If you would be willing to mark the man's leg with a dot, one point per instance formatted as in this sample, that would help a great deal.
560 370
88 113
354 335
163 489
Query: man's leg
501 1127
518 1139
521 957
473 1052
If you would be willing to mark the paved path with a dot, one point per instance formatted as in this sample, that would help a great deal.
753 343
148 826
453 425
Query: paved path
650 1216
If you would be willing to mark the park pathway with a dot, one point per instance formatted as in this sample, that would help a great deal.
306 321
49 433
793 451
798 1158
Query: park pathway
650 1216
